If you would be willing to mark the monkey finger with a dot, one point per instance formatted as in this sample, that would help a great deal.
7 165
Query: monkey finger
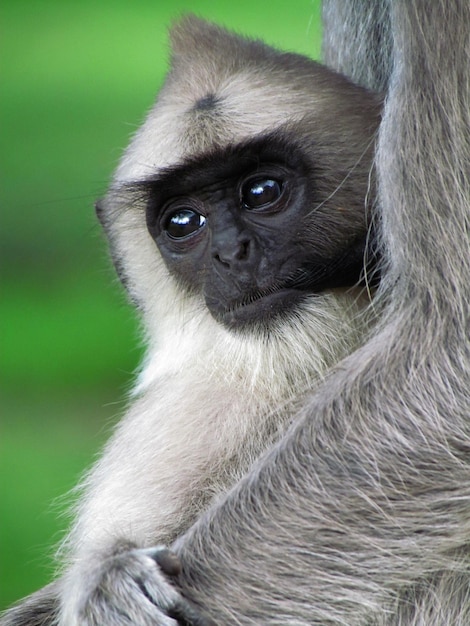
182 611
167 560
188 615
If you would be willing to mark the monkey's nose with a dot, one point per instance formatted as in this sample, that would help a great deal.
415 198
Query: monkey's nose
234 254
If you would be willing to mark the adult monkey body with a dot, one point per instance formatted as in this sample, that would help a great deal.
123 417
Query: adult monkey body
361 514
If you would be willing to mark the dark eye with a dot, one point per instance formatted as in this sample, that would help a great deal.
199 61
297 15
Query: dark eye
183 222
260 192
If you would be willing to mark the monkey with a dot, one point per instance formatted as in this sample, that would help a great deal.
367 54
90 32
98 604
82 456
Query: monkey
240 222
359 512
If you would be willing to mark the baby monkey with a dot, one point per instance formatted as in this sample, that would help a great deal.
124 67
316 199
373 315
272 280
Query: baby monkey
239 221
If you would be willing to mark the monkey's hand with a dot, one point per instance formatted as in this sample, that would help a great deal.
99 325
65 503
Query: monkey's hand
130 587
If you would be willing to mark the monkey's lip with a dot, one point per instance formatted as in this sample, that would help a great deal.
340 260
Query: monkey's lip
260 307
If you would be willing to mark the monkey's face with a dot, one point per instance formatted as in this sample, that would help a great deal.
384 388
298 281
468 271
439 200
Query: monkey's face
251 175
244 228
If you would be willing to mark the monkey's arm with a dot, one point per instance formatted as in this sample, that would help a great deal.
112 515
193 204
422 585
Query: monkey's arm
151 482
134 499
38 609
336 525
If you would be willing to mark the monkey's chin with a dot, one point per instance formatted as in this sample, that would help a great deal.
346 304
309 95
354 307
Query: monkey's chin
257 314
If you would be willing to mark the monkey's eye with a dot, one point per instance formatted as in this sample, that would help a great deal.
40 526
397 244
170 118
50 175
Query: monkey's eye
183 222
258 193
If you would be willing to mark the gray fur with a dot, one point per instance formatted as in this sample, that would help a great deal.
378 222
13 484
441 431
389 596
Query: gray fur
358 41
360 512
38 609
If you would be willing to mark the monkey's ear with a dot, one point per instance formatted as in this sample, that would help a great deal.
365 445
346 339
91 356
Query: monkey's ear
200 45
192 37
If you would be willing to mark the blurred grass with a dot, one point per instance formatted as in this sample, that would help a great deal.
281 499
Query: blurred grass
76 80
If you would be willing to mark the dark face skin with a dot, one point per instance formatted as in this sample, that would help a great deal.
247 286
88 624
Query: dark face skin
241 229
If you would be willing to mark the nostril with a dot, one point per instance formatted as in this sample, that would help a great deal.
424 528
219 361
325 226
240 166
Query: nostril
222 261
243 250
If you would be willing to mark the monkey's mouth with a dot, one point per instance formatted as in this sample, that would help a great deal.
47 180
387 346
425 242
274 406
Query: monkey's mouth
304 279
260 307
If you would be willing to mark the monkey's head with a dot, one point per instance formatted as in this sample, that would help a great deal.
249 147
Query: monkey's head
250 179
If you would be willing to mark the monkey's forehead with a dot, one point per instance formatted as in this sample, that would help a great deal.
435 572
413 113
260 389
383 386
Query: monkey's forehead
175 131
221 89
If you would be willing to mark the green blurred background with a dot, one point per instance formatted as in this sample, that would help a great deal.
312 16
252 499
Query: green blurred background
76 80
